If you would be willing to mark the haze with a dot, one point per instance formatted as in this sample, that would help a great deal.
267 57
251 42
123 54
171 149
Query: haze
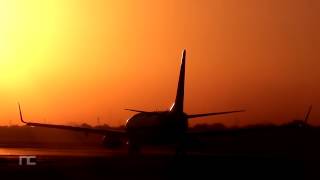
70 62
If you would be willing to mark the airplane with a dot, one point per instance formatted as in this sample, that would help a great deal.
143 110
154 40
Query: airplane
147 127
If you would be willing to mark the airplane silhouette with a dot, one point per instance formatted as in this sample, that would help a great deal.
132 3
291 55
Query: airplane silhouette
147 127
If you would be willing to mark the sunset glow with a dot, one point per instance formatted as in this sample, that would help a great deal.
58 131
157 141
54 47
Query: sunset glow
69 62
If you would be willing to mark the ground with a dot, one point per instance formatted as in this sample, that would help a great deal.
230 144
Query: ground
98 163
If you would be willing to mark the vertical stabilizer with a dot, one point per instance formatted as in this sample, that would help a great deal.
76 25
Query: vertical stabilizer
178 104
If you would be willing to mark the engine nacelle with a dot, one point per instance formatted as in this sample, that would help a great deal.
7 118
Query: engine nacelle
112 142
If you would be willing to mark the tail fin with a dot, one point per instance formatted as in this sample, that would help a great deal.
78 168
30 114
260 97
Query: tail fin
307 115
178 104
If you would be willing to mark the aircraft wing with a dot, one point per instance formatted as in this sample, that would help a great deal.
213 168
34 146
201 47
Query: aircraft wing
112 132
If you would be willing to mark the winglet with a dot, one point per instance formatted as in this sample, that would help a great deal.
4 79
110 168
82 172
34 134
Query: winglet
307 115
20 112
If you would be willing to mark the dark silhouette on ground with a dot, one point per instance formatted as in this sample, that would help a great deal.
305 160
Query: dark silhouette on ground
255 151
269 138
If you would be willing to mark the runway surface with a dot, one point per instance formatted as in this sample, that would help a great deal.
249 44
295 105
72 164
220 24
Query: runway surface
83 151
100 163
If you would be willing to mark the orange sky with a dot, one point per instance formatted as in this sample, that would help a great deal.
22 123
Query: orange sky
69 61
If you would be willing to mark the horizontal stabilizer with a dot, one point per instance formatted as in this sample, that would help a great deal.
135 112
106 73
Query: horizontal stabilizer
212 114
133 110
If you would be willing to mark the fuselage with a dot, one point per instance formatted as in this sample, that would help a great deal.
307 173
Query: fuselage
157 127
